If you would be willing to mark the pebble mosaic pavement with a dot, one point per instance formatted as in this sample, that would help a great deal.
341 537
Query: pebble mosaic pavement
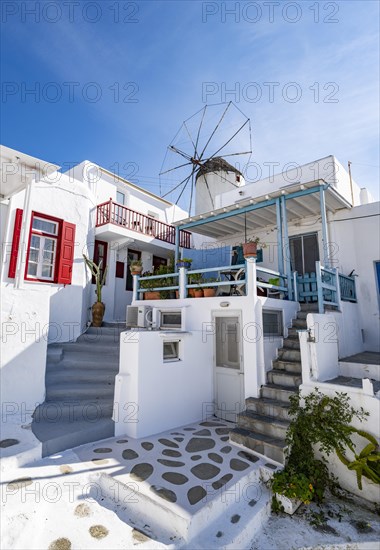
186 467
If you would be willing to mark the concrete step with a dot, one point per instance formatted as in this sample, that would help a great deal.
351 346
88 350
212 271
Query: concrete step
57 376
284 378
63 435
92 364
293 333
289 354
105 348
54 354
99 339
292 343
265 445
302 314
71 409
105 331
266 425
299 324
293 367
277 392
201 526
309 307
268 407
79 390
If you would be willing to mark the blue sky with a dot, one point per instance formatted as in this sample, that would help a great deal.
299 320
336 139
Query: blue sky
114 80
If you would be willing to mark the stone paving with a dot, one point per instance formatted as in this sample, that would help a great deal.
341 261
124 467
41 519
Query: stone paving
189 466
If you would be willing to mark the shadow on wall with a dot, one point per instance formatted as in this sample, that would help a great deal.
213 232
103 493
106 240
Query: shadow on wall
68 313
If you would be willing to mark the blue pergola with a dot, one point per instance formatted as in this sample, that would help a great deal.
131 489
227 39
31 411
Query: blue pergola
215 223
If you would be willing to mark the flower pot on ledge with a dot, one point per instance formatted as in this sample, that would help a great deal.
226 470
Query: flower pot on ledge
152 295
290 505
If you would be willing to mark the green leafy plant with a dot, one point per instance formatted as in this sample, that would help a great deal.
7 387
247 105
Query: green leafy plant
136 263
293 485
255 240
318 420
210 280
367 462
100 278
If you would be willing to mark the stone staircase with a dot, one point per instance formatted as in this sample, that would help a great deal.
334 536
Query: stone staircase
262 426
80 380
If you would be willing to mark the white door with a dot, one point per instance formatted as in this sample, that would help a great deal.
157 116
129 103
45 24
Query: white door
229 375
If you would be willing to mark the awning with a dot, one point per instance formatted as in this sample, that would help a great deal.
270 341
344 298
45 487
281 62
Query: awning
257 213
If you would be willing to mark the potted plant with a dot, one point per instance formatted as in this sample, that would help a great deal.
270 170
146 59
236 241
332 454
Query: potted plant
184 262
195 278
250 247
150 285
290 490
209 291
98 308
136 267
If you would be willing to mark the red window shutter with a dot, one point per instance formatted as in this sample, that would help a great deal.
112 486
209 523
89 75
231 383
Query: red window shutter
66 256
15 244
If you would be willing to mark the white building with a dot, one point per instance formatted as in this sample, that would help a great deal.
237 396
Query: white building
49 220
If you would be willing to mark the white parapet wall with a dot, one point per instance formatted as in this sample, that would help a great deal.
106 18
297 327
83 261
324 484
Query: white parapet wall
153 394
320 364
24 335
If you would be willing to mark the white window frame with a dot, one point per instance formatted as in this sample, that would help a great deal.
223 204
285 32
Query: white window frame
43 236
175 355
280 323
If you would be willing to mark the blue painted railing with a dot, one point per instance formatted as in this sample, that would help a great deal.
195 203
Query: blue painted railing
237 281
347 288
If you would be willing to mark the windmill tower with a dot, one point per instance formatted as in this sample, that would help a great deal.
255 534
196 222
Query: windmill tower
214 177
195 168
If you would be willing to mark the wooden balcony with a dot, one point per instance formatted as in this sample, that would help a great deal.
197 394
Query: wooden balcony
120 215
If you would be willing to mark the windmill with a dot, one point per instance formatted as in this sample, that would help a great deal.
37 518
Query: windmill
195 168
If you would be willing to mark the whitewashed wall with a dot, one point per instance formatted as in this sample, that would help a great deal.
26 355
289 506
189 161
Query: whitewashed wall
328 169
166 395
24 329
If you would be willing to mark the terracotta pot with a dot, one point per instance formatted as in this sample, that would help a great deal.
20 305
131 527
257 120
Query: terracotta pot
249 250
177 294
152 295
209 292
97 314
198 293
136 270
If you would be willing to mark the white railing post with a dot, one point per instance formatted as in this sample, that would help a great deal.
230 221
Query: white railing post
136 284
295 273
318 273
250 277
338 297
182 282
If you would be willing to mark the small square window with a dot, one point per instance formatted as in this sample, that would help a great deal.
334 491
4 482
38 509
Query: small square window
171 351
272 323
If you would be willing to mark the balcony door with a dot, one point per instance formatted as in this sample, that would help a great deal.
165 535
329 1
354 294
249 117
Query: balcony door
304 252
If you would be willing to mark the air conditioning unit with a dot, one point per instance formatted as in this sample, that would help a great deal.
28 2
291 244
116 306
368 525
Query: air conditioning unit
139 316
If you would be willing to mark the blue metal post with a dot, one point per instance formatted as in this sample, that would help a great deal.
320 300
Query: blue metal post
286 248
176 254
325 244
280 254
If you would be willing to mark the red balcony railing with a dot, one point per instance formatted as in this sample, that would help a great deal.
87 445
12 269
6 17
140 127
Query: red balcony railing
118 214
